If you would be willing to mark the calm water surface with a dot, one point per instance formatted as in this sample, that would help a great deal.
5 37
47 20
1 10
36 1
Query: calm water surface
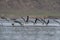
29 33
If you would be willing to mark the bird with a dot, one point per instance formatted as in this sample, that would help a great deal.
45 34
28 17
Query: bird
47 22
18 22
43 20
13 24
27 19
23 18
36 20
57 21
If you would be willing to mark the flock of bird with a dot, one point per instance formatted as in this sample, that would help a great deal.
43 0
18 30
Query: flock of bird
34 20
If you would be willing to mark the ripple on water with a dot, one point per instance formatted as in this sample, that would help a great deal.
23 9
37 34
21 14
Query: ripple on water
29 33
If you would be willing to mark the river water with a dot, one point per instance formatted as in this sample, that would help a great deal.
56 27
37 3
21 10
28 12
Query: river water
29 33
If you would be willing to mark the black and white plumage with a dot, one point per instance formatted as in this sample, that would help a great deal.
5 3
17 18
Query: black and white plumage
45 21
23 18
18 22
36 20
27 19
